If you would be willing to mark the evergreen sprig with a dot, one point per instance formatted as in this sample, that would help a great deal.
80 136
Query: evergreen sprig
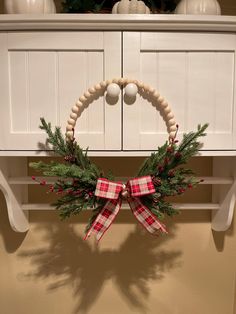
169 178
77 175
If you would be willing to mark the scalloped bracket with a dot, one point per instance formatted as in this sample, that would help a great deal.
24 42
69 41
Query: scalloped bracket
15 195
224 195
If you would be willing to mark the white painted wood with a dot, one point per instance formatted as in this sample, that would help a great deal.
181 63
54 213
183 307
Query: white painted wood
53 71
49 180
19 106
222 218
109 153
154 22
183 206
43 73
195 73
14 195
56 41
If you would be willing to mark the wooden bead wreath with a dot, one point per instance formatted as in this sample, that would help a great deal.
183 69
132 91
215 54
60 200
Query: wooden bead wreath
82 185
116 84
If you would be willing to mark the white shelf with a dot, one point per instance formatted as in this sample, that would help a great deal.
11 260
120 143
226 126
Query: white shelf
182 206
49 180
22 153
13 184
16 22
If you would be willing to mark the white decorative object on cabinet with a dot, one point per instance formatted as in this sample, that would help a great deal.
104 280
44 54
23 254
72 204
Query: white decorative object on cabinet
29 6
202 7
130 7
46 62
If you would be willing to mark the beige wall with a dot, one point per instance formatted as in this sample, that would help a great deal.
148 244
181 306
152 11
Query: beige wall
52 270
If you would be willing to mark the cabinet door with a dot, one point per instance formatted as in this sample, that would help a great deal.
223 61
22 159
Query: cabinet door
42 74
195 73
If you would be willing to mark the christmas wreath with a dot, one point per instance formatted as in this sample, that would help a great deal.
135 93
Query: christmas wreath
81 185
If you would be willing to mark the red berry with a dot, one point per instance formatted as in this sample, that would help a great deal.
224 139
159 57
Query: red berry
171 173
178 155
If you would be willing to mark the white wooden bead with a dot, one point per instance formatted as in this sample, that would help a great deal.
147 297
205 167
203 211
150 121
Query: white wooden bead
173 128
92 90
164 104
131 90
167 110
79 104
103 84
75 109
146 87
113 90
108 82
126 81
140 84
82 98
71 122
69 134
115 80
69 127
87 94
160 99
151 90
73 116
170 116
156 94
172 135
98 87
121 81
171 122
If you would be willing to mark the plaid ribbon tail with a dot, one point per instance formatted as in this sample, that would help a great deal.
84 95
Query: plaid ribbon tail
145 217
104 219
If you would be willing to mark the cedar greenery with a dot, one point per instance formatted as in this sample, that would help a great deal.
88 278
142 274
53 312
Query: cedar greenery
77 175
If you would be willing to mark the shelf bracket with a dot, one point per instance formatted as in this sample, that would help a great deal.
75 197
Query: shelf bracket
225 196
15 195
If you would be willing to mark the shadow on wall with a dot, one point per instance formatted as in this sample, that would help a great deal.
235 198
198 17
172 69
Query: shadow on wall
70 261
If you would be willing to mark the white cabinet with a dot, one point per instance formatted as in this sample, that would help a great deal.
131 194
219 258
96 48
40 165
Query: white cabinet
195 72
45 66
43 74
48 61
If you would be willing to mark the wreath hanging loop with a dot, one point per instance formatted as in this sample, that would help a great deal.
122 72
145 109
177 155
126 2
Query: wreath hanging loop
143 89
82 185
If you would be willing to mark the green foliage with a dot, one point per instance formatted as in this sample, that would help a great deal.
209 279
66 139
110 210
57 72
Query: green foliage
161 6
95 6
77 175
75 6
169 178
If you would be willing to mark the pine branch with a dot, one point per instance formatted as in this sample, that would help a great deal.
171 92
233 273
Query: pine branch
55 138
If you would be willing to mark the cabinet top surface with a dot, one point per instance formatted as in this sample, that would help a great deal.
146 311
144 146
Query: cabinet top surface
119 22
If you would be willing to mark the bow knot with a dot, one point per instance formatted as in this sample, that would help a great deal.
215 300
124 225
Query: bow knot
115 192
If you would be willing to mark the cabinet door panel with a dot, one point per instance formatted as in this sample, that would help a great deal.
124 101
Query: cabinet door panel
195 73
45 73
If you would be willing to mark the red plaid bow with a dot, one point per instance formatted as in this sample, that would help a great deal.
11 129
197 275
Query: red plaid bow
114 192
